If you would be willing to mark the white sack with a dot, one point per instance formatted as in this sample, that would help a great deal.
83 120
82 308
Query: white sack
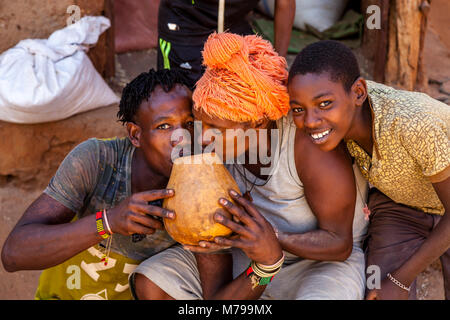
44 80
320 14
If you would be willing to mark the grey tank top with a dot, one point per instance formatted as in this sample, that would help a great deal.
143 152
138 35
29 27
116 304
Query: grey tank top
281 199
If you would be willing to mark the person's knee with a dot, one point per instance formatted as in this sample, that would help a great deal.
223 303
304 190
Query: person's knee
331 294
145 289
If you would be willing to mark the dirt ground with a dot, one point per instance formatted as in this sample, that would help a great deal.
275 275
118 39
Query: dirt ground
14 198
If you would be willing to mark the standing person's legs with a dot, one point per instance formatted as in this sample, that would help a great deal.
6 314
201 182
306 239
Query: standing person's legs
395 233
187 58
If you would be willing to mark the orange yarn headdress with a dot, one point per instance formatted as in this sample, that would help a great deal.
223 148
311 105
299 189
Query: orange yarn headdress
244 79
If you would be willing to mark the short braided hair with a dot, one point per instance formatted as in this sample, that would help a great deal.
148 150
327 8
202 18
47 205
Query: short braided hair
141 88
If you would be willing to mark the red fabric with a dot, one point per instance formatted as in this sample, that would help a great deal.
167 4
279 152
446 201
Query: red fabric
135 24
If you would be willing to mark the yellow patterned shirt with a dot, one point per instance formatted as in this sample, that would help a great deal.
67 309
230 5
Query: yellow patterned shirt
411 133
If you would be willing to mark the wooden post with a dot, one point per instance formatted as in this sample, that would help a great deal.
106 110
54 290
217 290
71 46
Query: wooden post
404 44
375 41
221 16
422 78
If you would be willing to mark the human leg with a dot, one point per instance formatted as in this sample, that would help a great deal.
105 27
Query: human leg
395 233
172 274
334 280
145 289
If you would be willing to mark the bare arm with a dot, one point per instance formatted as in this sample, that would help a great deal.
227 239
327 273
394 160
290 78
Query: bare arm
429 158
283 21
330 190
45 236
432 248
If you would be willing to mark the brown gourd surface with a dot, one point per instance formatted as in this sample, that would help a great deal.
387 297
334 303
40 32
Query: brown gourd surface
199 182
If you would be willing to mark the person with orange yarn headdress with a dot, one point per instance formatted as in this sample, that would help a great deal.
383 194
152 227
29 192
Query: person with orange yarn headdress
244 81
299 226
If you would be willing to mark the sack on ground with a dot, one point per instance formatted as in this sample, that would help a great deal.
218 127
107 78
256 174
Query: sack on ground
43 80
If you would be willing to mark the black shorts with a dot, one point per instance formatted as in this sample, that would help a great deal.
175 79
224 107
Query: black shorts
187 58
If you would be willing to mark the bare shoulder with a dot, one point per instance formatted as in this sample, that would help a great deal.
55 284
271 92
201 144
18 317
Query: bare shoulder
313 163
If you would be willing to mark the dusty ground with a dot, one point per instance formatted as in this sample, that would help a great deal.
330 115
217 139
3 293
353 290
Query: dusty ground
15 198
13 202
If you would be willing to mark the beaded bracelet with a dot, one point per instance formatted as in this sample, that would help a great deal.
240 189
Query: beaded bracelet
99 222
99 216
262 274
105 216
398 283
272 267
256 279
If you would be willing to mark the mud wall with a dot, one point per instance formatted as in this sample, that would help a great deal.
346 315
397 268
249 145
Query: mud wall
37 19
31 154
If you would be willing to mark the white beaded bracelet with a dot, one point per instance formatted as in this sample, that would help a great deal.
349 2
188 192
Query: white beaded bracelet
106 222
274 266
398 283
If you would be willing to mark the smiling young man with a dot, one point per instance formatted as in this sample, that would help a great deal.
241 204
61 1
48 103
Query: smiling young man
400 142
105 194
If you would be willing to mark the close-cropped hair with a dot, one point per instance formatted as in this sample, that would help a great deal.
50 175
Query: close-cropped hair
327 56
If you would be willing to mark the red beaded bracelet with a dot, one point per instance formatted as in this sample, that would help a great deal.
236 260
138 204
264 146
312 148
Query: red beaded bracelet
99 222
256 279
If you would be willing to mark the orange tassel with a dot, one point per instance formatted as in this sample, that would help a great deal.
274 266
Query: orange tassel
245 79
